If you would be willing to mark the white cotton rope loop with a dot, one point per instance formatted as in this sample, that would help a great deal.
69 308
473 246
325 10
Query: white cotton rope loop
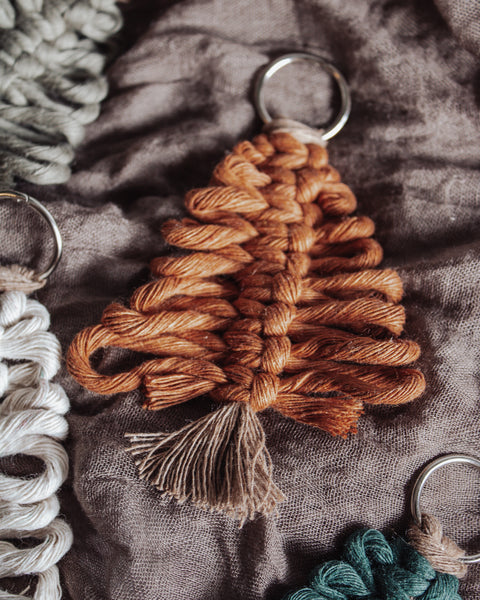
303 133
32 423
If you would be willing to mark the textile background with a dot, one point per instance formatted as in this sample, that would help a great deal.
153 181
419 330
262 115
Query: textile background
180 98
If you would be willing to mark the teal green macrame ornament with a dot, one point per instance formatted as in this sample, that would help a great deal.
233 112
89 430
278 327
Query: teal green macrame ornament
373 568
428 567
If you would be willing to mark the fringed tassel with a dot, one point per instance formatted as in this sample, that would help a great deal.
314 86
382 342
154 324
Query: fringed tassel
219 462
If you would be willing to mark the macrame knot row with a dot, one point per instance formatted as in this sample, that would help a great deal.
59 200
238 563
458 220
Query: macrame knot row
260 348
51 82
374 569
278 304
32 423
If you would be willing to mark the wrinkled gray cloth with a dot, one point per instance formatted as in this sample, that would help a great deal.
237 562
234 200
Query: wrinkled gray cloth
180 98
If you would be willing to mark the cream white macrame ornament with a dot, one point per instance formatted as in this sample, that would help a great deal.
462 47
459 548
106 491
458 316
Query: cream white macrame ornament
32 423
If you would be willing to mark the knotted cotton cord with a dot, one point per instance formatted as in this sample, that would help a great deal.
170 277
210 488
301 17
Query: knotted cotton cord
278 304
52 55
372 568
301 132
32 423
442 552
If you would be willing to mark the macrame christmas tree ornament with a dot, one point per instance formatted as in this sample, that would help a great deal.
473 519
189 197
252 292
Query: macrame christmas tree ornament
427 567
32 423
276 303
53 54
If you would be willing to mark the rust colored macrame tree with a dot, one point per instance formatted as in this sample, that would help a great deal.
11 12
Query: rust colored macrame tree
278 304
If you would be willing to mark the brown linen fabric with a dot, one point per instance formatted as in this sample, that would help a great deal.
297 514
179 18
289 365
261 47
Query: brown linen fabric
180 98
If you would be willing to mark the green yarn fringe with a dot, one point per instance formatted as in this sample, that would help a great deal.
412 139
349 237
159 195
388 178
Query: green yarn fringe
374 569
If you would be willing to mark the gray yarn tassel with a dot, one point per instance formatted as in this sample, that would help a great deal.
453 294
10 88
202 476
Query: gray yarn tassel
52 56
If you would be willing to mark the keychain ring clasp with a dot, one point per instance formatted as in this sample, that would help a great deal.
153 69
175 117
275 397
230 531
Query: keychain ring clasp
40 209
420 483
286 59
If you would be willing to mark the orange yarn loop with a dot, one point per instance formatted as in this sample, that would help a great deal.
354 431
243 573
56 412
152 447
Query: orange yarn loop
279 303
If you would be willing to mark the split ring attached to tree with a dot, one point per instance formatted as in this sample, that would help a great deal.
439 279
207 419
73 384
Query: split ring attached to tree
302 132
278 303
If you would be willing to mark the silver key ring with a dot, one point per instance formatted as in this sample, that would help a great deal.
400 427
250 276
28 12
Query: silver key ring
420 483
282 61
36 205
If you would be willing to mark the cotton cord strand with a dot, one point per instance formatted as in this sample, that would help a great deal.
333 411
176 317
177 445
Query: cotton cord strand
278 304
373 568
32 423
442 552
22 279
52 55
303 133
